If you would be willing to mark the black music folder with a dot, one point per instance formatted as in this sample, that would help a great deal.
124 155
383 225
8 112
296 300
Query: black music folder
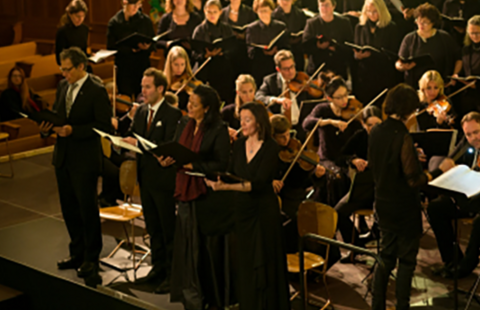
271 44
435 143
181 154
213 176
365 48
47 116
455 21
134 39
227 44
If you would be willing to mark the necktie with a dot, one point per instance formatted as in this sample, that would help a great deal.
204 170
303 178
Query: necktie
69 99
150 119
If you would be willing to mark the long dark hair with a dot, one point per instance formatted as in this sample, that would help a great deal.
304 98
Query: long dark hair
261 117
73 7
24 89
210 99
401 100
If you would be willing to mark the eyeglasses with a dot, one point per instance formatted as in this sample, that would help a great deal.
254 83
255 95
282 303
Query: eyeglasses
67 69
288 68
371 12
424 23
340 97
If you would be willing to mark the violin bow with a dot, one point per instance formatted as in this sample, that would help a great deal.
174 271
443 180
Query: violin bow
309 80
451 95
114 99
193 75
360 112
310 135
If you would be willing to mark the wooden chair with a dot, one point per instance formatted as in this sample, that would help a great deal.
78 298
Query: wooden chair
128 212
320 219
4 137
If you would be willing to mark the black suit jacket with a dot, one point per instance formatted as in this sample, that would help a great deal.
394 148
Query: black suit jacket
91 109
161 130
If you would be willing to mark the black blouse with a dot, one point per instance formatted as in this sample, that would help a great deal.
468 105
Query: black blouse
176 31
295 20
245 16
259 33
209 32
228 115
355 147
441 47
68 36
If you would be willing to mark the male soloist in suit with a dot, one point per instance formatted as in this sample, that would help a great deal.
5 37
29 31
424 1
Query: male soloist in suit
83 101
157 121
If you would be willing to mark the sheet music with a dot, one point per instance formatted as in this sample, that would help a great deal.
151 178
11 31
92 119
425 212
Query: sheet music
146 144
459 179
101 55
398 4
118 141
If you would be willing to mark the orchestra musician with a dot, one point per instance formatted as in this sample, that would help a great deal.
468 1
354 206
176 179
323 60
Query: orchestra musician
72 31
295 20
180 19
318 35
277 83
448 207
156 121
178 71
131 62
203 217
428 39
255 160
262 32
245 88
218 73
376 29
398 176
77 157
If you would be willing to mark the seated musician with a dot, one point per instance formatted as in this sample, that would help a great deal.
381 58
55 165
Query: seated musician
245 88
431 88
442 211
354 154
18 97
178 71
276 84
171 99
294 189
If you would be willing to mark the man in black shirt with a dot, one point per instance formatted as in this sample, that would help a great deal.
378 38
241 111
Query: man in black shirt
131 62
398 177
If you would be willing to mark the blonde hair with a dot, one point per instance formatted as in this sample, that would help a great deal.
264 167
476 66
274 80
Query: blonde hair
170 6
243 79
384 17
175 53
474 21
426 78
282 55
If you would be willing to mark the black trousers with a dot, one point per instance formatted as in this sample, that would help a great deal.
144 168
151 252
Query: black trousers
401 249
77 189
344 209
159 211
111 190
442 211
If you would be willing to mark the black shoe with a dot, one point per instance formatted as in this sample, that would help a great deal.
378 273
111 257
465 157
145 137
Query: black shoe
87 269
71 262
442 271
163 288
155 276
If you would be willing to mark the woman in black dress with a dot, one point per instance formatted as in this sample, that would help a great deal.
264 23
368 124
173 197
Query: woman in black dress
262 265
428 40
178 70
295 20
180 20
245 88
238 15
375 71
218 72
18 97
198 259
72 31
261 32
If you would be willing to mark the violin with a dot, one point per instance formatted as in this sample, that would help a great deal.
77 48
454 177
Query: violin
184 83
123 104
352 108
303 82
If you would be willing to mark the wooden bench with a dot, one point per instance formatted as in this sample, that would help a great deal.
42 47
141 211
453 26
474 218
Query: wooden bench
17 51
45 87
46 65
104 71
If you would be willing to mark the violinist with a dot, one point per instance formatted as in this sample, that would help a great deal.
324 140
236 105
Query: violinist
245 88
277 83
318 35
375 70
131 63
295 20
354 154
293 190
181 20
434 101
442 209
238 14
333 133
428 40
262 32
178 71
218 73
470 99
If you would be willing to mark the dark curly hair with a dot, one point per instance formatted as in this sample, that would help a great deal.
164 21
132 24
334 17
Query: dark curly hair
430 12
401 100
261 117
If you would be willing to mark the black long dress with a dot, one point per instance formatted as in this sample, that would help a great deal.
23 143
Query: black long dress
240 61
376 72
261 257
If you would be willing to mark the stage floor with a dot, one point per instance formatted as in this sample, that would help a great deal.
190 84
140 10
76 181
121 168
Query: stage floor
32 233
